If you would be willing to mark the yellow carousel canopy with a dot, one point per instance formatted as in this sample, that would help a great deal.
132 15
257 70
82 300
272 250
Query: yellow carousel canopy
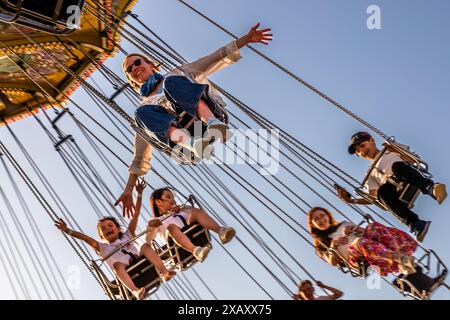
93 37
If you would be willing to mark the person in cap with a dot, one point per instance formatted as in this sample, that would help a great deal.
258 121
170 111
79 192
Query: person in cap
389 165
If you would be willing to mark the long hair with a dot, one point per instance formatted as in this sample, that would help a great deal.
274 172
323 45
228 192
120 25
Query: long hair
322 240
113 220
157 195
136 86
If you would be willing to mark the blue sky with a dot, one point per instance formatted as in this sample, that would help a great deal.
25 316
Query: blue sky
395 77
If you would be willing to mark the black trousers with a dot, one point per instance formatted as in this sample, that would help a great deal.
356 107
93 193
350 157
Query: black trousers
389 196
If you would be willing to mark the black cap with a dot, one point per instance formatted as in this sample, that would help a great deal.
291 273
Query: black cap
357 138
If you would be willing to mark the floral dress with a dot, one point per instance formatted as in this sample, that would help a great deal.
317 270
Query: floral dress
378 244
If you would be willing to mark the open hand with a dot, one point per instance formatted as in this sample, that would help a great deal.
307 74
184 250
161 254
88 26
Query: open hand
341 241
61 225
140 186
154 223
259 36
127 204
343 194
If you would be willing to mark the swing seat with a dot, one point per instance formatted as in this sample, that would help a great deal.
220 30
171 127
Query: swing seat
408 193
418 285
357 271
141 271
50 16
182 258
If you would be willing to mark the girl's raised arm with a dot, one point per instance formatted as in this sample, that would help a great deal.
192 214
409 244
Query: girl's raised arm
140 186
61 225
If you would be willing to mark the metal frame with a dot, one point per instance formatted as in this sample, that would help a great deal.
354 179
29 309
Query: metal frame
173 253
115 290
408 192
408 289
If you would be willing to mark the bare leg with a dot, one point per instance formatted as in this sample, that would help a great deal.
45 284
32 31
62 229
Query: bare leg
199 216
180 238
203 111
121 273
154 259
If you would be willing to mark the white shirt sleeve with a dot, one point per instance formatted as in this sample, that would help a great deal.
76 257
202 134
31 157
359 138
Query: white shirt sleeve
216 61
141 163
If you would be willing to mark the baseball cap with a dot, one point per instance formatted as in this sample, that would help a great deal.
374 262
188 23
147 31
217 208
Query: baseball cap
356 139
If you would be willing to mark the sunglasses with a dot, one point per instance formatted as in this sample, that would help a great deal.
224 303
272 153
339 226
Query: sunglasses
136 63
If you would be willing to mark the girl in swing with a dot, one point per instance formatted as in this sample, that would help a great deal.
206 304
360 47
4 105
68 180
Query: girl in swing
184 89
170 219
112 237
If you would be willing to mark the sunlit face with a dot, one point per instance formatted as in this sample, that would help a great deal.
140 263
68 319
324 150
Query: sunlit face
138 69
109 231
320 220
307 290
367 149
167 201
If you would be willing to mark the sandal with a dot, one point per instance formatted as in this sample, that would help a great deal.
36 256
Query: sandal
168 275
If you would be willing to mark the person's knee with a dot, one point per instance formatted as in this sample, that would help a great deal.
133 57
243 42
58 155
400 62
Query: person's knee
398 167
139 113
118 267
173 228
387 192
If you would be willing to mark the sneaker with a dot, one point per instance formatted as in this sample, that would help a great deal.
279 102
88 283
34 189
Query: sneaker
200 253
218 130
226 234
420 229
439 192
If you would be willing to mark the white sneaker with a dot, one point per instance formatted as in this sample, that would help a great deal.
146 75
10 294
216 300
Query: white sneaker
218 130
200 253
226 234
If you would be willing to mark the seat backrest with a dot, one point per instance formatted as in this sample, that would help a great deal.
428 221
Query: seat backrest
144 274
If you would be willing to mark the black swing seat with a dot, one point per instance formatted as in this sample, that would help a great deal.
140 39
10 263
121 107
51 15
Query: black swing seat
141 271
45 15
422 284
408 193
181 258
